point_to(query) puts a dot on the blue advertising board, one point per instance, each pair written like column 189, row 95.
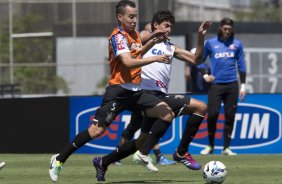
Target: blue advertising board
column 257, row 127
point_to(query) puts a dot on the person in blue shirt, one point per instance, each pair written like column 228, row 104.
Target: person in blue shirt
column 226, row 57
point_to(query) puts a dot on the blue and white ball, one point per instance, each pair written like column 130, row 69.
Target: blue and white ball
column 214, row 172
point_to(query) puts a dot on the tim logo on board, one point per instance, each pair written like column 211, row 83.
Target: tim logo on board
column 255, row 126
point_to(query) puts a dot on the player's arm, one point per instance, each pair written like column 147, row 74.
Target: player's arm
column 201, row 38
column 147, row 40
column 118, row 43
column 203, row 68
column 184, row 55
column 147, row 35
column 190, row 57
column 242, row 72
column 187, row 72
column 196, row 58
column 187, row 56
column 130, row 62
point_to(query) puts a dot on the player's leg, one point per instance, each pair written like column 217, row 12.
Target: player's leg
column 103, row 118
column 143, row 137
column 214, row 103
column 80, row 139
column 158, row 109
column 94, row 131
column 134, row 125
column 126, row 136
column 165, row 116
column 230, row 101
column 129, row 131
column 122, row 151
column 129, row 147
column 140, row 101
column 196, row 110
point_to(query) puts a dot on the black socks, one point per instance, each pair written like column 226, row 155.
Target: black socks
column 119, row 153
column 79, row 140
column 157, row 131
column 192, row 127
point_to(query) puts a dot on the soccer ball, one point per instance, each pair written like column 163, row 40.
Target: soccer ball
column 214, row 172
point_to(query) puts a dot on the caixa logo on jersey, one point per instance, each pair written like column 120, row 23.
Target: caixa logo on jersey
column 110, row 139
column 254, row 126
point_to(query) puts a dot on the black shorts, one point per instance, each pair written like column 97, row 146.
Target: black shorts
column 176, row 102
column 118, row 99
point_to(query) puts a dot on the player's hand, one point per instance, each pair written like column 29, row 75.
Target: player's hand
column 159, row 32
column 163, row 58
column 161, row 35
column 208, row 78
column 203, row 27
column 242, row 92
column 161, row 38
column 242, row 95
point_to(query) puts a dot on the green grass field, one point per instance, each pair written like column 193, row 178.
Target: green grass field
column 242, row 169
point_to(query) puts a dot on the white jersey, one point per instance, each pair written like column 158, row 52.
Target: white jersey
column 156, row 76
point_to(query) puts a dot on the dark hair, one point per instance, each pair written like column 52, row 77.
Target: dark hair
column 226, row 21
column 162, row 16
column 122, row 4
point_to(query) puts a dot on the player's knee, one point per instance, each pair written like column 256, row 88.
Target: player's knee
column 96, row 131
column 169, row 116
column 167, row 113
column 197, row 106
column 203, row 108
column 103, row 117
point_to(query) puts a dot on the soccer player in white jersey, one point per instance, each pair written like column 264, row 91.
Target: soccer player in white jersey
column 155, row 80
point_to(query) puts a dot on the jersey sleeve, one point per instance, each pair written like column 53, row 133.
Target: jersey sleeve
column 241, row 59
column 119, row 44
column 202, row 66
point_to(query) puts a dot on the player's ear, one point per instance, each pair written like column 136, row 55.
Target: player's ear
column 119, row 17
column 155, row 25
